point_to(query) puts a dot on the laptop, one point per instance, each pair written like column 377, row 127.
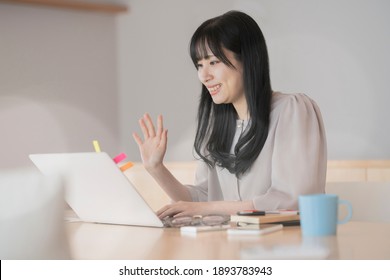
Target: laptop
column 97, row 190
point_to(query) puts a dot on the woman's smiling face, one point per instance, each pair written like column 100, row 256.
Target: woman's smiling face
column 224, row 83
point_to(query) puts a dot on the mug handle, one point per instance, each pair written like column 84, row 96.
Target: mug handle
column 349, row 208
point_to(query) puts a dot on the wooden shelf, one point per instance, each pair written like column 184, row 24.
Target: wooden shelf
column 74, row 5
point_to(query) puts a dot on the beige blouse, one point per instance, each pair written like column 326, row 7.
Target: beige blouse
column 292, row 162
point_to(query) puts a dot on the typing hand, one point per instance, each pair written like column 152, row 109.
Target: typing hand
column 154, row 144
column 185, row 208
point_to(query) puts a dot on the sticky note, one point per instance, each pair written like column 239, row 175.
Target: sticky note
column 96, row 146
column 119, row 158
column 126, row 166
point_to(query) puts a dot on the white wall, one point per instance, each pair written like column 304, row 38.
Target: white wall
column 68, row 77
column 337, row 52
column 58, row 82
column 334, row 51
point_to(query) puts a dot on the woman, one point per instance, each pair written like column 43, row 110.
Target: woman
column 258, row 149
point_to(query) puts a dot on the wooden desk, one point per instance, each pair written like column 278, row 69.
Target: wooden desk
column 354, row 240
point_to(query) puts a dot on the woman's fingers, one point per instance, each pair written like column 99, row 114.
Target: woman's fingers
column 149, row 124
column 148, row 128
column 179, row 209
column 137, row 139
column 164, row 212
column 160, row 126
column 164, row 139
column 144, row 129
column 169, row 210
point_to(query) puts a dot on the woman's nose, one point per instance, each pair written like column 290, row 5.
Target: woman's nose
column 204, row 75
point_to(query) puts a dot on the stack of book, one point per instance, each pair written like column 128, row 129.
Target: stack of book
column 255, row 218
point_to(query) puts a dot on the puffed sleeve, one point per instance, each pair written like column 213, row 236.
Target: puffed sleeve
column 299, row 156
column 199, row 191
column 206, row 185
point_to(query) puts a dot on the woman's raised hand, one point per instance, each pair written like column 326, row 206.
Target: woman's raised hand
column 154, row 144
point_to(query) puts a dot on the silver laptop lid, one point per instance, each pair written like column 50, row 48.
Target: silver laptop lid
column 96, row 189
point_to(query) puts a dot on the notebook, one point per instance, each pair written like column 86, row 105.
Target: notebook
column 286, row 219
column 97, row 190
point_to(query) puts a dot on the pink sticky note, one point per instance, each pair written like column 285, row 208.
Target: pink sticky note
column 119, row 157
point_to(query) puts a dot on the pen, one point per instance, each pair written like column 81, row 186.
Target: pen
column 251, row 213
column 282, row 211
column 262, row 213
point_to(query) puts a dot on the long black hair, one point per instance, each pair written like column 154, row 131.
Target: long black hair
column 239, row 33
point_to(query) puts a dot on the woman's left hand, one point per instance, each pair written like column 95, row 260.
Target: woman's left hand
column 186, row 208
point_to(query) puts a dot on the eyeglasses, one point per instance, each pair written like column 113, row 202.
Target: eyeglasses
column 197, row 220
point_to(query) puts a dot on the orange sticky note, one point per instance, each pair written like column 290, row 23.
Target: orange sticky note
column 126, row 166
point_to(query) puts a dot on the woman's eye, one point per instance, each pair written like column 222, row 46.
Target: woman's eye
column 213, row 62
column 198, row 66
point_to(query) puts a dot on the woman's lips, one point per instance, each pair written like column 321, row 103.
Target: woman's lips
column 214, row 89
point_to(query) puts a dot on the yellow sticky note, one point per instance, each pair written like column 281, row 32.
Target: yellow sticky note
column 96, row 146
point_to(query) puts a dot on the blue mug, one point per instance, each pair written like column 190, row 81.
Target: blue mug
column 319, row 214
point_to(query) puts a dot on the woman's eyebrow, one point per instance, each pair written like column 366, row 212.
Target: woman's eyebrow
column 208, row 56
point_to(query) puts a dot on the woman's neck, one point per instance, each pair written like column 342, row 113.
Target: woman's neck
column 241, row 108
